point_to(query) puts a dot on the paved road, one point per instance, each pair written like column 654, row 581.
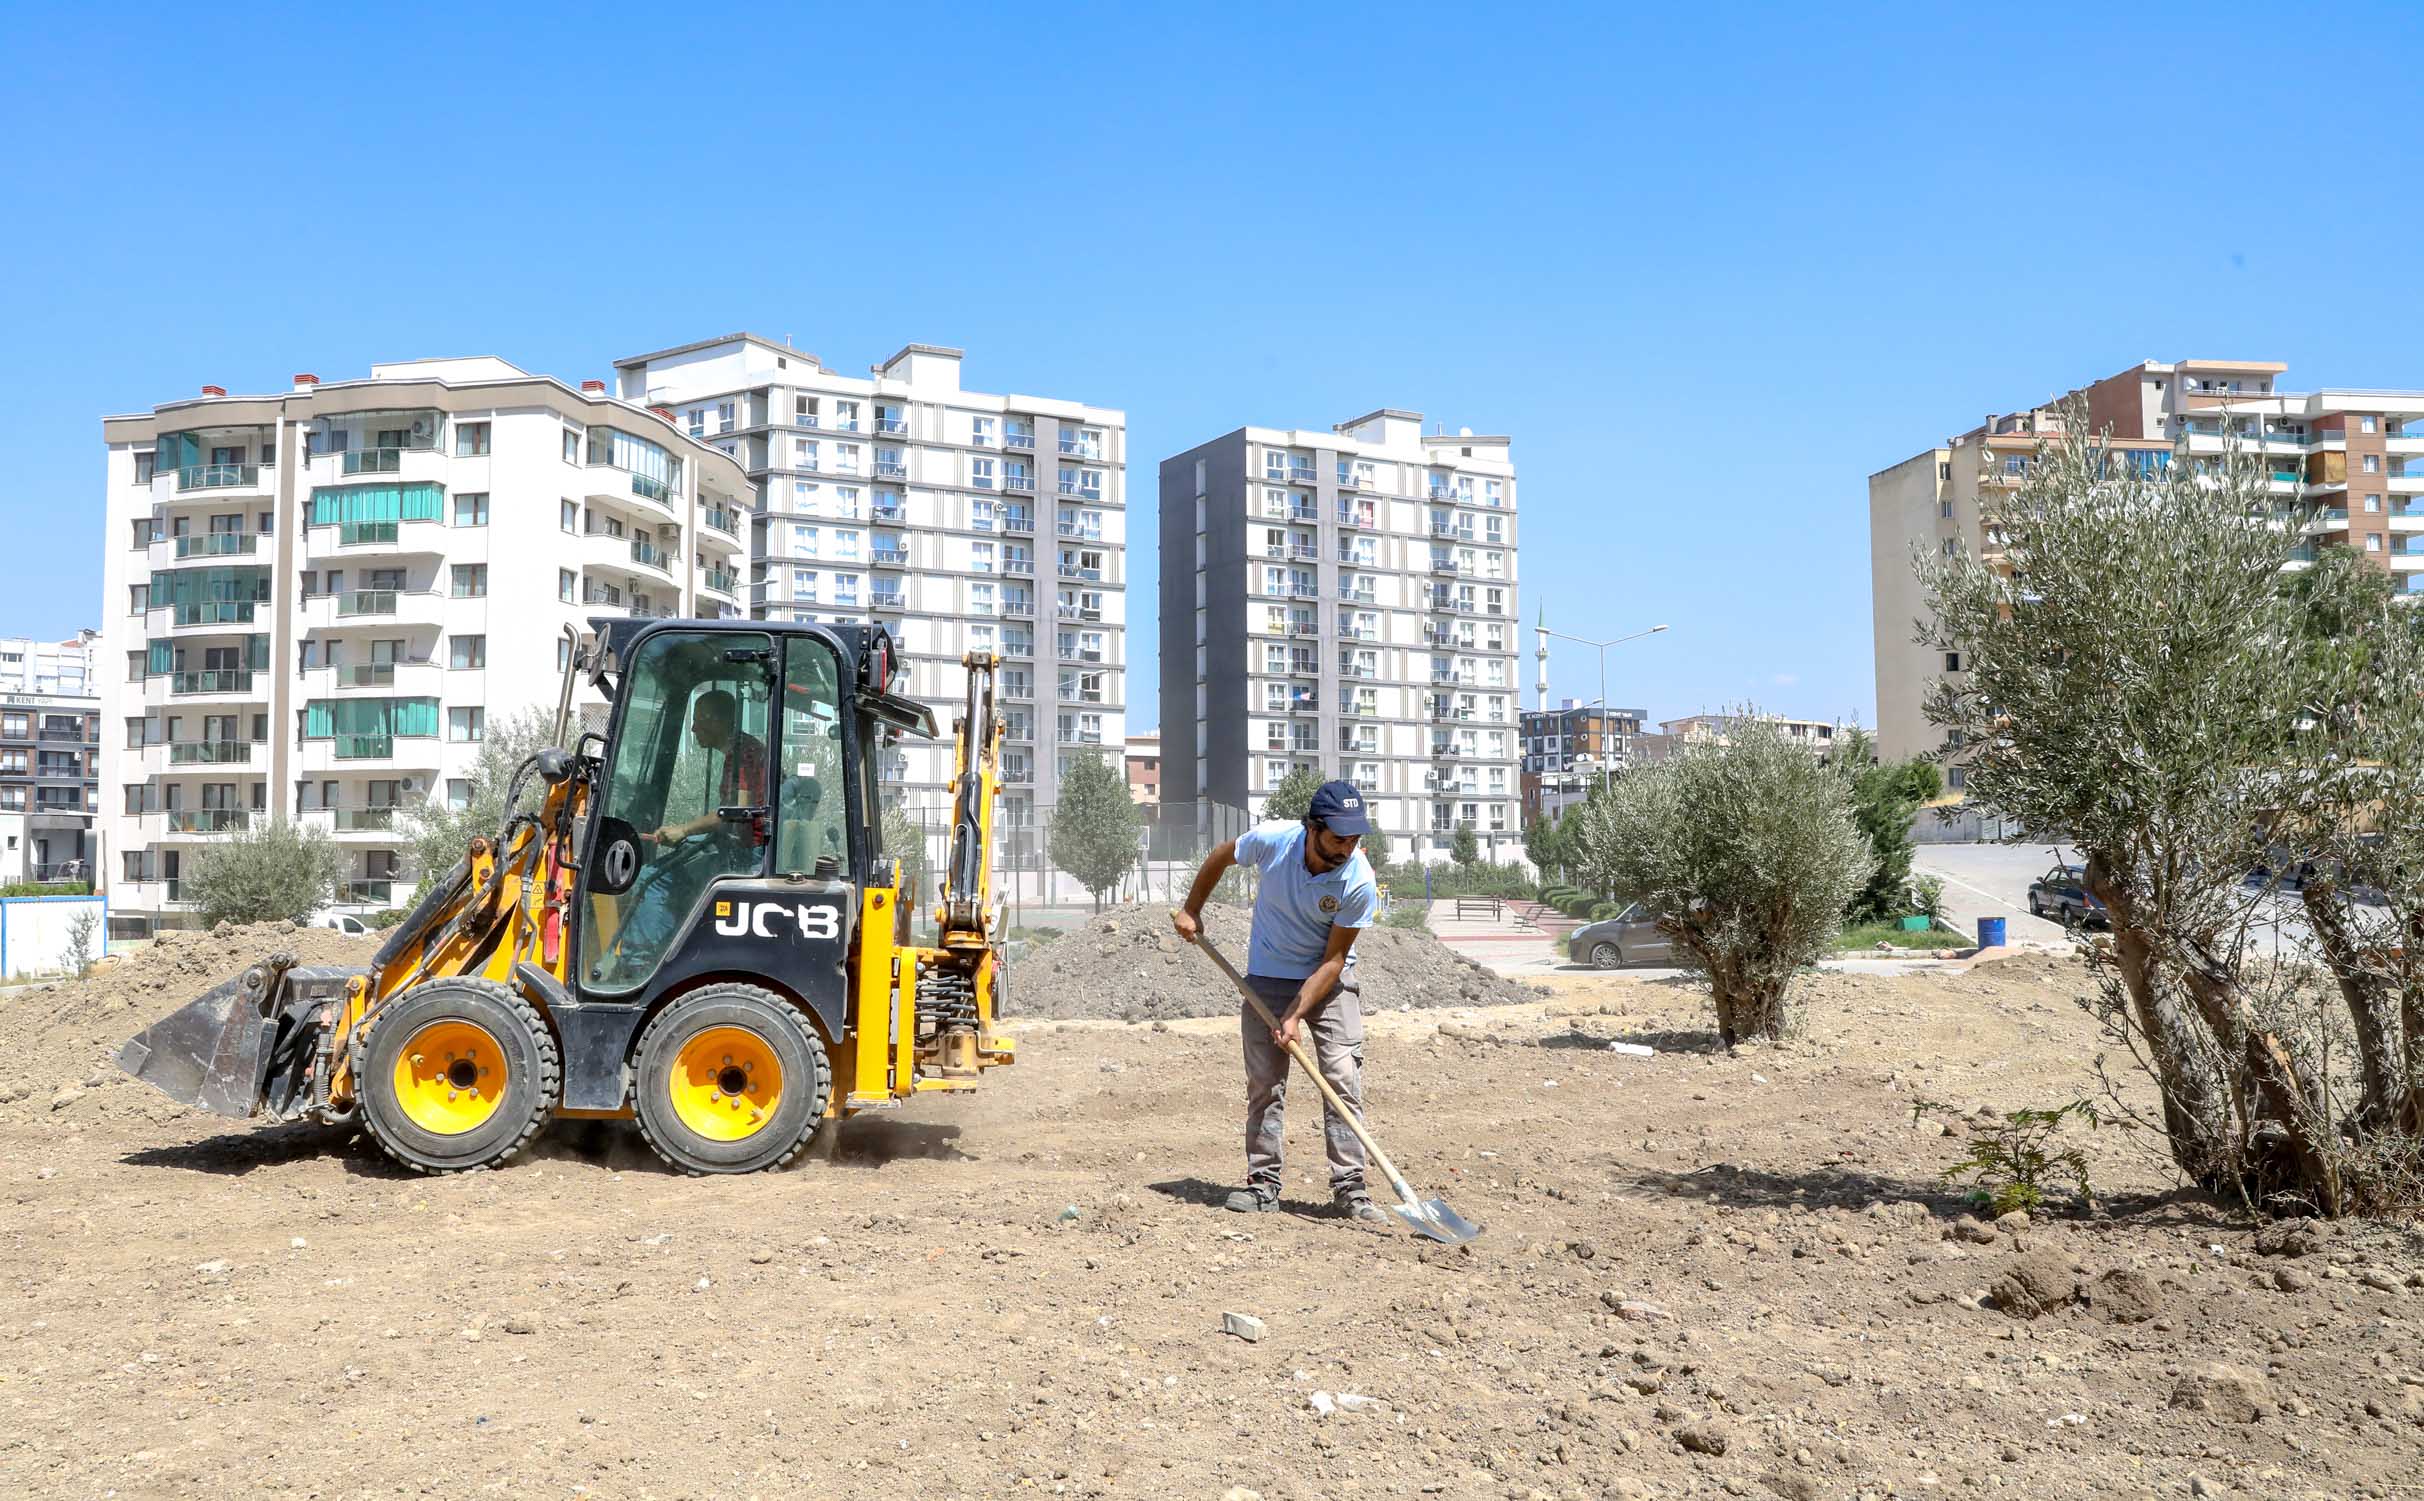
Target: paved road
column 1991, row 880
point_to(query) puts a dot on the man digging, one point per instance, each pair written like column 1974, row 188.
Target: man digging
column 1316, row 894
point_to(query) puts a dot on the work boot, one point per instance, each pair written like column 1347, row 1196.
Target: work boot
column 1251, row 1201
column 1355, row 1204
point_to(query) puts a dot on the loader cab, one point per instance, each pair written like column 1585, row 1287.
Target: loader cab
column 733, row 753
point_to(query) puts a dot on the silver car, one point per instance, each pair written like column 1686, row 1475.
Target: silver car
column 1630, row 937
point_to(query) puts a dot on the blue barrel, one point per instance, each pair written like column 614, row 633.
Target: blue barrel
column 1990, row 932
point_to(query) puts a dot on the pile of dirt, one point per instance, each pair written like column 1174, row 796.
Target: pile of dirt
column 1128, row 965
column 59, row 1042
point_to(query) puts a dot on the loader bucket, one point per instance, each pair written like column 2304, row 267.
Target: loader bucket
column 246, row 1045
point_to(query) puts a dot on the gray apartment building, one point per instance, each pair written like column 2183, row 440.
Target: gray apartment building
column 962, row 520
column 50, row 770
column 1343, row 600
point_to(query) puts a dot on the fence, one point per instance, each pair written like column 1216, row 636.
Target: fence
column 37, row 932
column 1172, row 843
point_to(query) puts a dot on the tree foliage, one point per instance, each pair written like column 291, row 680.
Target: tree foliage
column 275, row 869
column 2136, row 672
column 1465, row 848
column 439, row 834
column 1293, row 797
column 1094, row 826
column 1885, row 798
column 1749, row 853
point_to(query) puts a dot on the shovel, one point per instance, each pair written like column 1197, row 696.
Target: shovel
column 1431, row 1217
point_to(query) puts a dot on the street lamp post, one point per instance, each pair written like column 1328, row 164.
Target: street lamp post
column 1545, row 634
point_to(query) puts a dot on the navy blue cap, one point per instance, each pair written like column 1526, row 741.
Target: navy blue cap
column 1339, row 807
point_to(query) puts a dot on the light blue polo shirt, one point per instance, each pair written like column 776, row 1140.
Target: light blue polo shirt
column 1295, row 909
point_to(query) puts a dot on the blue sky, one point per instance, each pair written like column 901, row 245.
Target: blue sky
column 1710, row 266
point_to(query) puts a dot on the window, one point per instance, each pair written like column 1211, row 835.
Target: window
column 1951, row 545
column 564, row 585
column 147, row 531
column 138, row 598
column 467, row 653
column 470, row 580
column 982, row 436
column 803, row 453
column 471, row 440
column 468, row 723
column 563, row 654
column 2365, row 424
column 458, row 793
column 2373, row 503
column 1952, row 661
column 2373, row 543
column 724, row 417
column 1956, row 777
column 568, row 516
column 695, row 420
column 2373, row 463
column 1944, row 508
column 980, row 474
column 143, row 467
column 572, row 446
column 471, row 510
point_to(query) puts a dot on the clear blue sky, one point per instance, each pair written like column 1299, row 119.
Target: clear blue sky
column 1710, row 266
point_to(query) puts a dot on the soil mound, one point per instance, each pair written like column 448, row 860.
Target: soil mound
column 59, row 1042
column 1128, row 965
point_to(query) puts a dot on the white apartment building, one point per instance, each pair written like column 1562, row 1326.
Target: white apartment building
column 30, row 666
column 314, row 599
column 1344, row 600
column 963, row 521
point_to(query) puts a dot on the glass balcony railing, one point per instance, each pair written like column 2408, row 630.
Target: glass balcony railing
column 371, row 890
column 366, row 533
column 1019, row 484
column 881, row 600
column 364, row 820
column 216, row 545
column 724, row 519
column 898, row 557
column 207, row 820
column 652, row 489
column 723, row 582
column 218, row 476
column 213, row 612
column 213, row 680
column 364, row 747
column 1023, row 442
column 647, row 554
column 367, row 602
column 209, row 752
column 371, row 461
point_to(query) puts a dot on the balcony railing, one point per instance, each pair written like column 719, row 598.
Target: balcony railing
column 1018, row 607
column 213, row 680
column 1023, row 442
column 371, row 461
column 1019, row 484
column 892, row 427
column 1078, row 448
column 1355, row 519
column 366, row 533
column 363, row 820
column 646, row 554
column 208, row 820
column 374, row 674
column 364, row 747
column 216, row 544
column 218, row 476
column 368, row 890
column 69, row 737
column 649, row 488
column 1289, row 476
column 1022, row 566
column 724, row 519
column 209, row 752
column 1091, row 493
column 1020, row 525
column 1078, row 571
column 722, row 581
column 884, row 600
column 885, row 469
column 214, row 612
column 367, row 602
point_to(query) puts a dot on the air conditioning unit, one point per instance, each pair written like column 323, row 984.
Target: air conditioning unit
column 424, row 429
column 670, row 531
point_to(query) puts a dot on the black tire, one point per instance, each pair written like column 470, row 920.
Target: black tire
column 533, row 1075
column 797, row 1109
column 2035, row 908
column 1606, row 956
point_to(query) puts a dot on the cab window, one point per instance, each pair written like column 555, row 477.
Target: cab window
column 812, row 803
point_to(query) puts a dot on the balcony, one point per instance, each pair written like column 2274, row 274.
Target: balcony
column 1356, row 596
column 886, row 599
column 891, row 469
column 721, row 581
column 646, row 554
column 373, row 674
column 1020, row 442
column 1301, row 478
column 1449, row 529
column 219, row 477
column 1090, row 494
column 723, row 519
column 371, row 891
column 208, row 820
column 892, row 427
column 214, row 612
column 217, row 681
column 1080, row 737
column 378, row 820
column 1348, row 480
column 1358, row 633
column 1356, row 520
column 1019, row 484
column 366, row 602
column 1443, row 750
column 215, row 545
column 1079, row 448
column 82, row 737
column 1023, row 526
column 1024, row 567
column 1018, row 606
column 1078, row 571
column 1077, row 612
column 209, row 752
column 364, row 747
column 1303, row 628
column 648, row 488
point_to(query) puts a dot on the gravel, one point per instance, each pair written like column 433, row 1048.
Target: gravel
column 1127, row 965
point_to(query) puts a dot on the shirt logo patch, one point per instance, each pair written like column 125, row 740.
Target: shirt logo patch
column 1329, row 904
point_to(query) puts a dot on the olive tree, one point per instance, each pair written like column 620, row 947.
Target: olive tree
column 1747, row 851
column 275, row 869
column 2129, row 671
column 440, row 832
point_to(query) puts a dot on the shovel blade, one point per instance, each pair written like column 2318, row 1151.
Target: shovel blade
column 1433, row 1218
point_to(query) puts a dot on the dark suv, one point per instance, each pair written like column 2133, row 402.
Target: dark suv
column 2061, row 895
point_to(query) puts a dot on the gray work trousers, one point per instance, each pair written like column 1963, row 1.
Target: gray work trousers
column 1335, row 1035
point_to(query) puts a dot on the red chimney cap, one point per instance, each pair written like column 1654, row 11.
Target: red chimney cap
column 307, row 379
column 214, row 390
column 593, row 388
column 664, row 412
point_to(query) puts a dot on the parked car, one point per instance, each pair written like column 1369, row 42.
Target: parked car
column 1630, row 937
column 343, row 922
column 2061, row 895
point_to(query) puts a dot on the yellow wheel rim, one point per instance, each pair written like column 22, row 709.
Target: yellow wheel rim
column 726, row 1082
column 450, row 1077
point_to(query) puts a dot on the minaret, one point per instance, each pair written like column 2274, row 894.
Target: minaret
column 1540, row 623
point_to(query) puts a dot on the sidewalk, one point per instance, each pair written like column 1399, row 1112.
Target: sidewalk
column 1512, row 943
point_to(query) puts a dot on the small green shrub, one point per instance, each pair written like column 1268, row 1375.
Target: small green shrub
column 1414, row 915
column 2014, row 1161
column 1927, row 897
column 1600, row 911
column 47, row 888
column 385, row 917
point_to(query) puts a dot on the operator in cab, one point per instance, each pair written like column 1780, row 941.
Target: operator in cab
column 1316, row 894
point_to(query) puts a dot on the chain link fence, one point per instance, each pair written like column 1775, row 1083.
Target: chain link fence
column 1171, row 843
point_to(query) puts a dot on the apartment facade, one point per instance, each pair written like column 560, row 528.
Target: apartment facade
column 1817, row 736
column 31, row 666
column 962, row 520
column 1144, row 770
column 50, row 768
column 314, row 599
column 2346, row 467
column 1568, row 748
column 1346, row 601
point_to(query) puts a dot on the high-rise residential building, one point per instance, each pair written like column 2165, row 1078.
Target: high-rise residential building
column 1346, row 601
column 1570, row 747
column 50, row 765
column 961, row 520
column 313, row 600
column 31, row 666
column 2347, row 468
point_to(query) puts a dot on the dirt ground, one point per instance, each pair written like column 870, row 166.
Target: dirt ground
column 1700, row 1275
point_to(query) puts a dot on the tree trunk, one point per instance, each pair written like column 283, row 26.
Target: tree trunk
column 2371, row 999
column 2281, row 1147
column 2194, row 1118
